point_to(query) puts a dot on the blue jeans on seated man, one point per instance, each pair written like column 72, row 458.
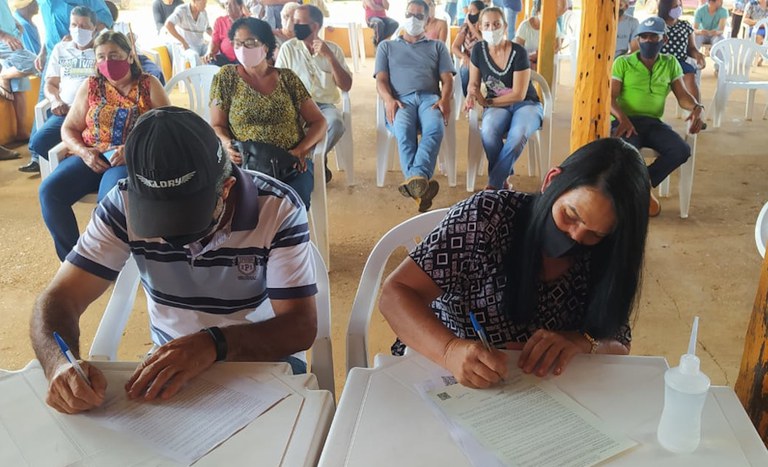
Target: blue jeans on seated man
column 418, row 158
column 657, row 135
column 516, row 123
column 335, row 121
column 72, row 180
column 46, row 137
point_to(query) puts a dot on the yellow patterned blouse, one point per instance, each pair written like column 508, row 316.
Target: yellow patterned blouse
column 267, row 118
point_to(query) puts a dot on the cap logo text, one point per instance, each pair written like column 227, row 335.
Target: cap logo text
column 172, row 183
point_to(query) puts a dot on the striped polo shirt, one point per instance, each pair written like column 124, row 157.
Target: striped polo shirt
column 262, row 253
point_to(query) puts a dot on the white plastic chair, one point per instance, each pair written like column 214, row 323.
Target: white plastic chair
column 41, row 115
column 183, row 59
column 344, row 147
column 570, row 48
column 385, row 150
column 763, row 23
column 353, row 30
column 407, row 234
column 318, row 209
column 197, row 83
column 538, row 145
column 761, row 230
column 735, row 58
column 113, row 322
column 685, row 186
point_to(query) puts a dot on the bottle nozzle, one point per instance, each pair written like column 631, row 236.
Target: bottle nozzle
column 694, row 335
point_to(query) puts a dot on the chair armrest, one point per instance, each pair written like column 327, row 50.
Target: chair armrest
column 41, row 112
column 57, row 154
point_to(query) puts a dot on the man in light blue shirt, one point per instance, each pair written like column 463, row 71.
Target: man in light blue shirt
column 414, row 78
column 16, row 64
column 25, row 11
column 709, row 23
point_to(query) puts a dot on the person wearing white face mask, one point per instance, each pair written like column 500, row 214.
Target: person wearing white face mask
column 528, row 35
column 256, row 102
column 406, row 72
column 512, row 108
column 70, row 63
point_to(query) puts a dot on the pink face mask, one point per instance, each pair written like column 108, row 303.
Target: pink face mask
column 114, row 70
column 250, row 57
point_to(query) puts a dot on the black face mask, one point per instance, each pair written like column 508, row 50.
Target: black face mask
column 556, row 243
column 621, row 13
column 649, row 50
column 302, row 31
column 473, row 18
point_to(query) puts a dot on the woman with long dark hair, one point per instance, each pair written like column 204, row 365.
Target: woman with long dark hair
column 553, row 274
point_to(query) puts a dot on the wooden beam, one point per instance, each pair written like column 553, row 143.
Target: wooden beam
column 547, row 33
column 752, row 383
column 591, row 116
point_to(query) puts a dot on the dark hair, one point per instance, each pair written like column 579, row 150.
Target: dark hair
column 314, row 13
column 493, row 9
column 84, row 12
column 120, row 40
column 618, row 171
column 420, row 3
column 112, row 10
column 664, row 6
column 261, row 29
column 479, row 4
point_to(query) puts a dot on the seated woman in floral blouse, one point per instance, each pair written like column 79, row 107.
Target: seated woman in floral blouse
column 553, row 274
column 255, row 101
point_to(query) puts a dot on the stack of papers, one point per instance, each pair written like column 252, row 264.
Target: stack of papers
column 526, row 421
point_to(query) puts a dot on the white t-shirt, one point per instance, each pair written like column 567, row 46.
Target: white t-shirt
column 192, row 31
column 314, row 71
column 72, row 66
column 531, row 36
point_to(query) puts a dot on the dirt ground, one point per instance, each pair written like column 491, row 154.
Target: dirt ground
column 706, row 265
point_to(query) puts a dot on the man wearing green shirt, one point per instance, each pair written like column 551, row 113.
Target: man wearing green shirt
column 639, row 88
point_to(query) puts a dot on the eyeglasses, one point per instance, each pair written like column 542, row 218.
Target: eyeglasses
column 248, row 43
column 419, row 16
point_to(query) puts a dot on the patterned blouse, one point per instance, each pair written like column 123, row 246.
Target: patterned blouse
column 470, row 39
column 267, row 118
column 465, row 256
column 677, row 44
column 755, row 11
column 111, row 115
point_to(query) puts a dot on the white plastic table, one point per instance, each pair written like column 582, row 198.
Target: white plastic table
column 382, row 421
column 291, row 433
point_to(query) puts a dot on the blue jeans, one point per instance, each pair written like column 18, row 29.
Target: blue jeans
column 383, row 28
column 335, row 121
column 418, row 158
column 304, row 183
column 46, row 137
column 152, row 68
column 298, row 366
column 657, row 135
column 517, row 123
column 71, row 180
column 511, row 16
column 272, row 15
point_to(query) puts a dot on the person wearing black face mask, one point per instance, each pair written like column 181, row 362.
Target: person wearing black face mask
column 639, row 88
column 552, row 274
column 469, row 34
column 321, row 67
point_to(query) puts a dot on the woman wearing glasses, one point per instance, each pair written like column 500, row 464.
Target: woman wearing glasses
column 254, row 101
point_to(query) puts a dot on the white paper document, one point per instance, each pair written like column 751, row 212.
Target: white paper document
column 529, row 422
column 205, row 413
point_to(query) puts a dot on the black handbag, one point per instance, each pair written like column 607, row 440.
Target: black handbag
column 268, row 159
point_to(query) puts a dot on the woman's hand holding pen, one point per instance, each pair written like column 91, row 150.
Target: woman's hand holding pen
column 549, row 349
column 473, row 365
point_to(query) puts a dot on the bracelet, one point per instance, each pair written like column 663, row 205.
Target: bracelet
column 698, row 106
column 219, row 341
column 592, row 341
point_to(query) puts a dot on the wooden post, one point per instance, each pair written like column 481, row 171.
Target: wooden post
column 547, row 32
column 590, row 119
column 752, row 384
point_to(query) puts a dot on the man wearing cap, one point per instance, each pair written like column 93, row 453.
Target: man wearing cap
column 639, row 88
column 223, row 254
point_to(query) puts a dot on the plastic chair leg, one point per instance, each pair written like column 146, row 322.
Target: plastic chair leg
column 686, row 178
column 664, row 188
column 474, row 151
column 318, row 210
column 750, row 104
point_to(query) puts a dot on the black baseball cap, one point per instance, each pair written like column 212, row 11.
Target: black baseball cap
column 174, row 161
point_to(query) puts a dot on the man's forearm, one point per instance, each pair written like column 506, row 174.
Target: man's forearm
column 340, row 75
column 42, row 325
column 270, row 340
column 384, row 90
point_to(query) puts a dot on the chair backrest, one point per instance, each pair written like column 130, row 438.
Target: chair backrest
column 197, row 83
column 407, row 234
column 545, row 95
column 763, row 23
column 761, row 230
column 735, row 57
column 113, row 322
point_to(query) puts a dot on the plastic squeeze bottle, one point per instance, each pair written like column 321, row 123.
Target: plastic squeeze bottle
column 685, row 390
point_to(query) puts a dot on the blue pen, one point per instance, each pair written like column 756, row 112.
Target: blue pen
column 480, row 331
column 70, row 358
